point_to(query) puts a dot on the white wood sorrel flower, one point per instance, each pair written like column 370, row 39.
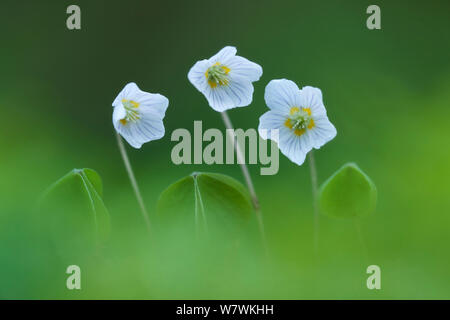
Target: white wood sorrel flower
column 138, row 115
column 299, row 116
column 225, row 79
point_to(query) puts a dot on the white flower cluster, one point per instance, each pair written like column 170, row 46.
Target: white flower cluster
column 226, row 81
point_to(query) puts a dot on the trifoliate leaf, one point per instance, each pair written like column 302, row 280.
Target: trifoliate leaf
column 205, row 202
column 74, row 209
column 348, row 193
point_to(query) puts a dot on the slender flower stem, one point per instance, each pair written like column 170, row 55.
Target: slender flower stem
column 313, row 171
column 134, row 184
column 247, row 177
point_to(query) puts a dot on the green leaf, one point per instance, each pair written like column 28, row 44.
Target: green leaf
column 348, row 193
column 74, row 211
column 95, row 180
column 205, row 202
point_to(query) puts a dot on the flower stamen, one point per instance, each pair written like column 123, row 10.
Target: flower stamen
column 132, row 114
column 217, row 74
column 299, row 120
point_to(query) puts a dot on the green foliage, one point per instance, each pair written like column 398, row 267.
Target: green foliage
column 74, row 210
column 205, row 202
column 348, row 193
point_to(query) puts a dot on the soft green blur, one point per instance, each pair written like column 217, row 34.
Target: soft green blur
column 387, row 92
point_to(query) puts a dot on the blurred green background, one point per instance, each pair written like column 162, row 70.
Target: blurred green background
column 386, row 91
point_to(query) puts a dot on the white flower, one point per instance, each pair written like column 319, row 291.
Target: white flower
column 299, row 116
column 225, row 79
column 138, row 115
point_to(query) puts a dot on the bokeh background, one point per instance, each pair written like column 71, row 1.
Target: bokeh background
column 386, row 91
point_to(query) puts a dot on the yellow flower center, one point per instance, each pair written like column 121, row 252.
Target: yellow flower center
column 131, row 112
column 299, row 120
column 217, row 75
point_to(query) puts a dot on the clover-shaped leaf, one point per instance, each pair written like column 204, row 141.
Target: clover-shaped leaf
column 75, row 213
column 348, row 193
column 209, row 202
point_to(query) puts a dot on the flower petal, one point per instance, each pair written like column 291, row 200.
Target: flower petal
column 145, row 124
column 196, row 75
column 119, row 113
column 236, row 89
column 244, row 68
column 154, row 103
column 143, row 130
column 240, row 91
column 130, row 90
column 294, row 147
column 237, row 93
column 269, row 121
column 127, row 132
column 224, row 55
column 281, row 95
column 218, row 99
column 322, row 132
column 312, row 98
column 151, row 128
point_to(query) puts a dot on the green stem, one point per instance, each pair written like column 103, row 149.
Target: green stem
column 247, row 177
column 134, row 184
column 313, row 171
